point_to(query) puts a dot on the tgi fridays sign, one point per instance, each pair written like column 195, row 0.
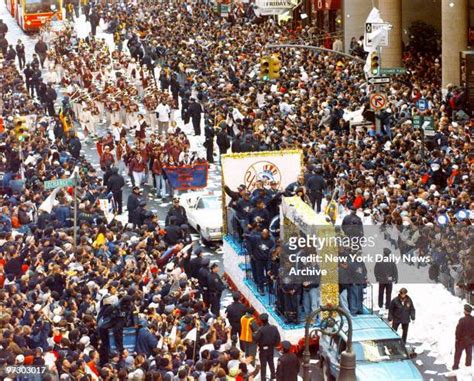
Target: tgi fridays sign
column 273, row 7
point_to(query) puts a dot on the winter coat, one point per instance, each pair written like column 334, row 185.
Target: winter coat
column 401, row 311
column 146, row 342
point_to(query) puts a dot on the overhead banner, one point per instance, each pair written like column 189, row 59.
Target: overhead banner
column 247, row 168
column 188, row 177
column 273, row 7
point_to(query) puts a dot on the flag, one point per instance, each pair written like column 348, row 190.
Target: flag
column 188, row 176
column 191, row 335
column 106, row 206
column 48, row 204
column 172, row 336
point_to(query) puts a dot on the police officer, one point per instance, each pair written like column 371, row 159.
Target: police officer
column 316, row 187
column 386, row 274
column 290, row 190
column 234, row 312
column 288, row 364
column 352, row 224
column 203, row 276
column 464, row 337
column 267, row 338
column 216, row 286
column 132, row 203
column 195, row 263
column 401, row 311
column 178, row 212
column 115, row 184
column 20, row 53
column 209, row 134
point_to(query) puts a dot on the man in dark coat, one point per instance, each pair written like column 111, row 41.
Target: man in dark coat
column 195, row 263
column 464, row 337
column 11, row 54
column 3, row 27
column 288, row 364
column 401, row 311
column 115, row 184
column 209, row 142
column 316, row 187
column 178, row 212
column 195, row 111
column 132, row 203
column 3, row 44
column 203, row 276
column 386, row 274
column 20, row 53
column 94, row 19
column 146, row 340
column 36, row 80
column 352, row 224
column 267, row 338
column 28, row 72
column 234, row 312
column 50, row 97
column 75, row 146
column 216, row 287
column 222, row 139
column 41, row 49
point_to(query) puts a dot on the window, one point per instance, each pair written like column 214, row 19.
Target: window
column 380, row 350
column 39, row 6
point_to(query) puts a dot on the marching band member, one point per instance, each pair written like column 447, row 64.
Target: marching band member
column 122, row 153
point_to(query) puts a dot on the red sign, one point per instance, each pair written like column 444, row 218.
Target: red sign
column 324, row 5
column 378, row 101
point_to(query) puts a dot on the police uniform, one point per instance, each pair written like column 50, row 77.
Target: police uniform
column 464, row 337
column 234, row 312
column 203, row 274
column 216, row 286
column 267, row 338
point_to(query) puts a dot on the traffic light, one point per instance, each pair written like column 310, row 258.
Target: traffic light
column 275, row 67
column 374, row 63
column 265, row 68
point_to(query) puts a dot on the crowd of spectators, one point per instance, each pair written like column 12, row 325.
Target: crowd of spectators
column 61, row 299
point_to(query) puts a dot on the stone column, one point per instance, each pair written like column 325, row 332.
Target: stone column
column 354, row 13
column 391, row 12
column 454, row 17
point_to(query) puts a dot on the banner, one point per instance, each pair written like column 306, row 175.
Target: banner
column 107, row 207
column 187, row 177
column 273, row 7
column 246, row 168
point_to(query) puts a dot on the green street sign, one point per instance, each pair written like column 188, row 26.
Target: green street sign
column 425, row 122
column 392, row 70
column 52, row 184
column 225, row 9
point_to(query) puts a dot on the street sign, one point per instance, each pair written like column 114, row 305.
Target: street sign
column 379, row 80
column 426, row 123
column 392, row 70
column 52, row 184
column 378, row 101
column 371, row 29
column 422, row 104
column 225, row 9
